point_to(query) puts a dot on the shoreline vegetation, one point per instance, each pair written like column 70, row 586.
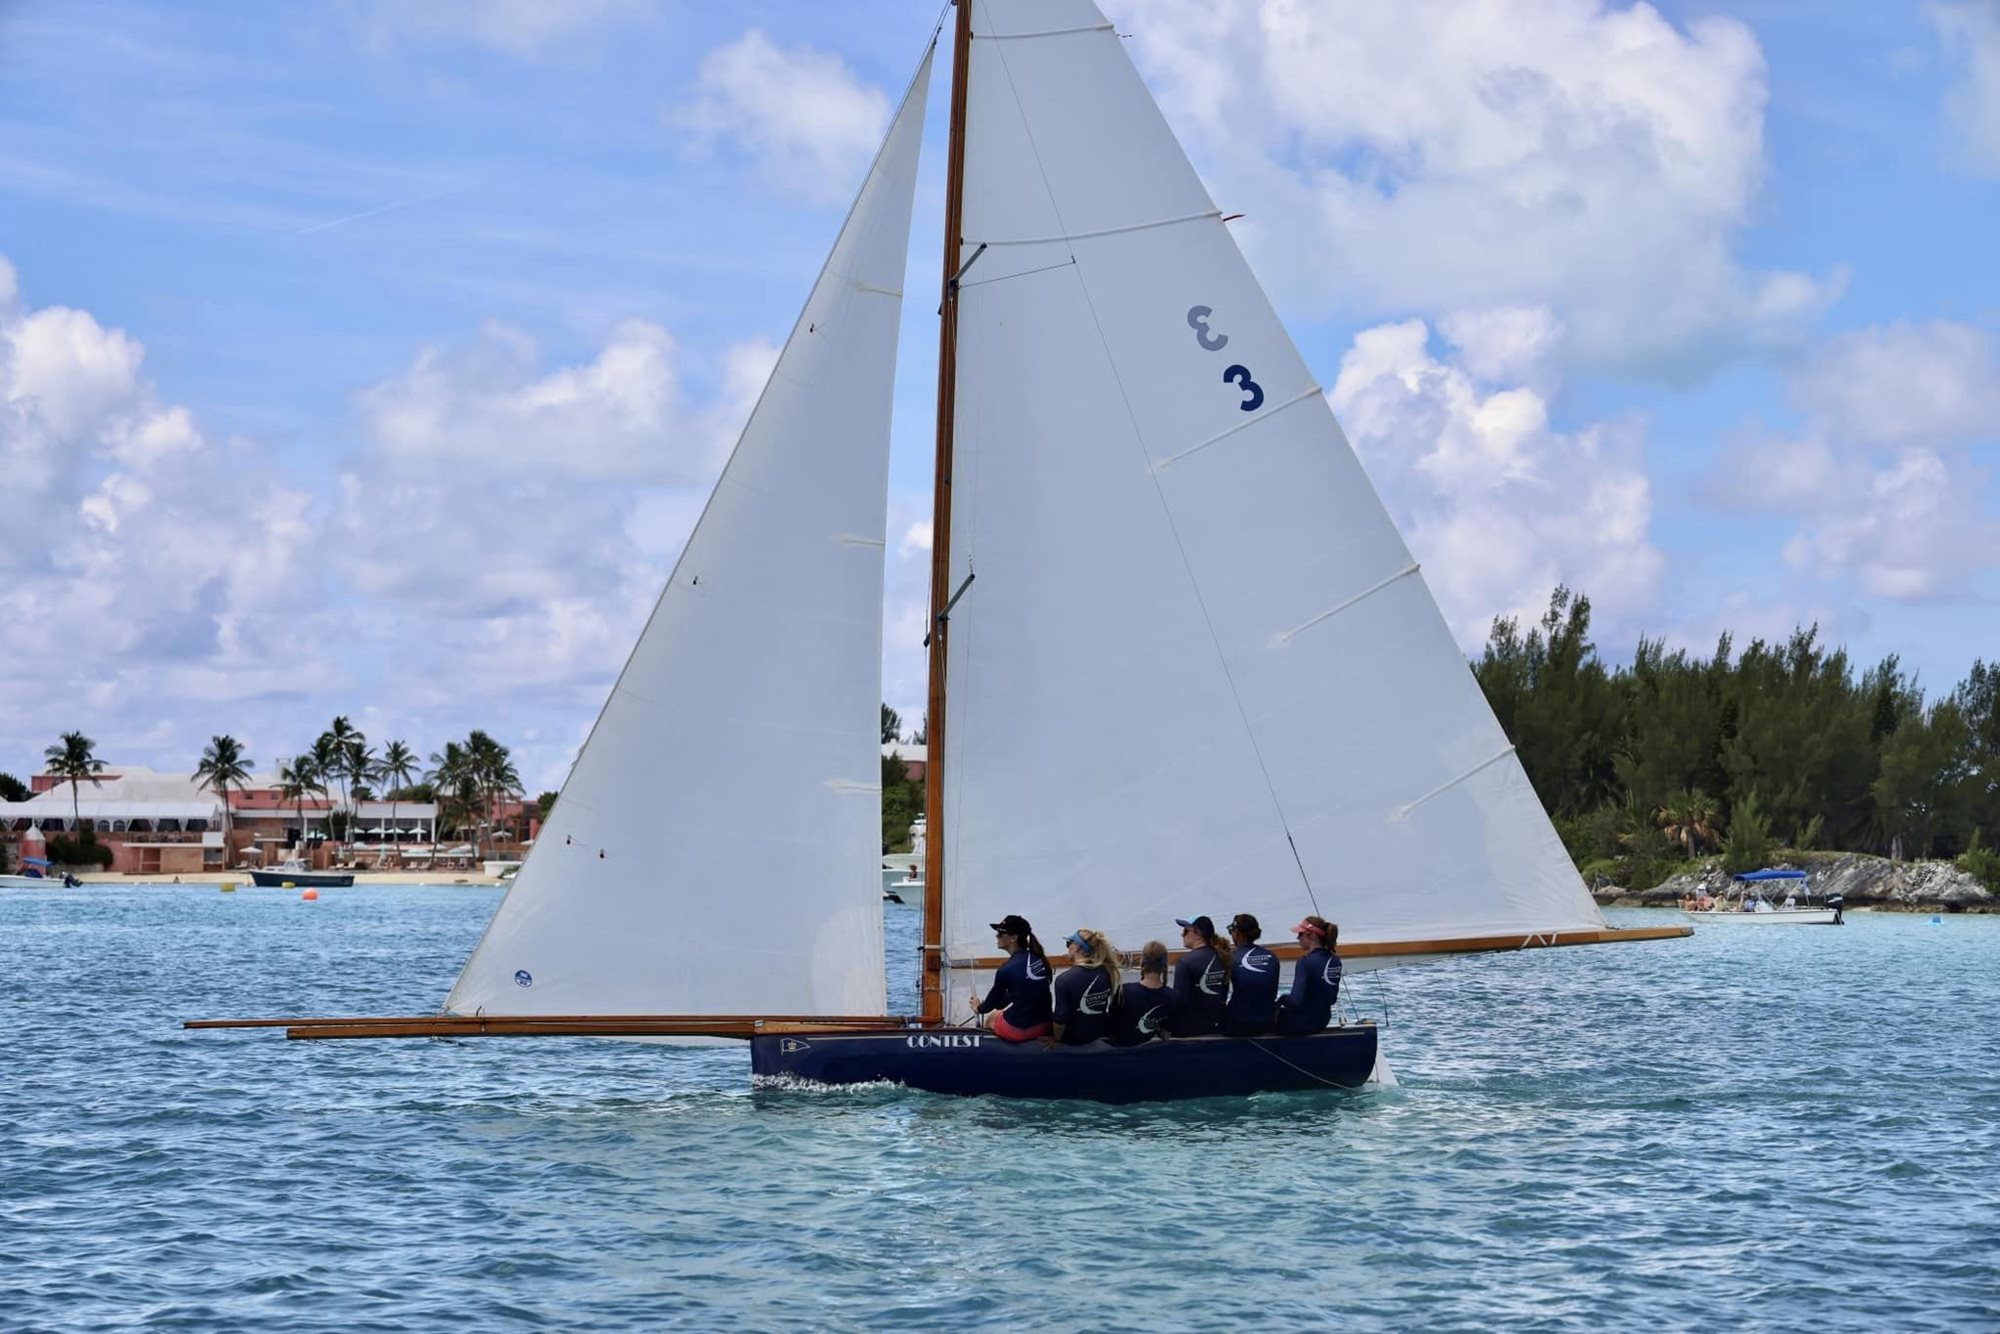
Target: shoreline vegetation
column 1677, row 769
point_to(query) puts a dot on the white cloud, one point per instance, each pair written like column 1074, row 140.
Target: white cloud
column 1904, row 384
column 526, row 29
column 799, row 116
column 1593, row 159
column 1880, row 478
column 152, row 564
column 1498, row 506
column 1970, row 30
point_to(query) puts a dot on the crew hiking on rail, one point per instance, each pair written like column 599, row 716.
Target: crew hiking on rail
column 1226, row 986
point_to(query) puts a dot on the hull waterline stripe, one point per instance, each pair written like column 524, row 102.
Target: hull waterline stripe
column 1279, row 641
column 1103, row 231
column 1403, row 812
column 1310, row 391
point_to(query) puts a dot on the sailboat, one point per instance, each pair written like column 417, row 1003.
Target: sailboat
column 1148, row 532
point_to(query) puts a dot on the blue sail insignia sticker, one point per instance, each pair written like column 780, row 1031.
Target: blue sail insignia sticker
column 523, row 978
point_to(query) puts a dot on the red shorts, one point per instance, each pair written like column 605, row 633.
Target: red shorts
column 1003, row 1029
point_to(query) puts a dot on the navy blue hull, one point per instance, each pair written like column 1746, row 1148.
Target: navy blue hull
column 961, row 1062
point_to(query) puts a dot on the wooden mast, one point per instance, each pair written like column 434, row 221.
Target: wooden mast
column 931, row 979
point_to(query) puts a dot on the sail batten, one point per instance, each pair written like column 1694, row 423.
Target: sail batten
column 713, row 850
column 1198, row 677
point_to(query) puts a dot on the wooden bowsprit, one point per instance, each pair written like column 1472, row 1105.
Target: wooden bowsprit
column 567, row 1025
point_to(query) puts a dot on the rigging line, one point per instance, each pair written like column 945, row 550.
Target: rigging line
column 1066, row 236
column 1287, row 636
column 1301, row 1069
column 1024, row 273
column 1159, row 491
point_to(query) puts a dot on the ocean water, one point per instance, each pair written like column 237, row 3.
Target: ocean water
column 1752, row 1129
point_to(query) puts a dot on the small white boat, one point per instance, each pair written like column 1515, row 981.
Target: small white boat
column 1747, row 905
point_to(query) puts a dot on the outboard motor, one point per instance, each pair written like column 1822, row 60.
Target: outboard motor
column 1834, row 901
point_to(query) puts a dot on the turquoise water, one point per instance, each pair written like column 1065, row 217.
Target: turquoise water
column 1758, row 1128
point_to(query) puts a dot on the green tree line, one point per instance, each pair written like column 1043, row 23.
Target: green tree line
column 1649, row 764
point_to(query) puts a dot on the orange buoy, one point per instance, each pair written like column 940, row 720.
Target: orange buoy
column 310, row 895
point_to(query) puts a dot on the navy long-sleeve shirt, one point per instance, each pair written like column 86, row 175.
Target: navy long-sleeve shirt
column 1315, row 987
column 1201, row 989
column 1253, row 991
column 1021, row 985
column 1143, row 1013
column 1083, row 1004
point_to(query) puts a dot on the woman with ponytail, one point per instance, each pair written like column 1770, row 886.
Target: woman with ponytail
column 1201, row 979
column 1315, row 982
column 1087, row 990
column 1146, row 1007
column 1019, row 999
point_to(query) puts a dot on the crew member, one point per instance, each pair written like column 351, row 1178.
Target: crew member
column 1253, row 981
column 1019, row 1001
column 1145, row 1008
column 1087, row 989
column 1315, row 982
column 1201, row 979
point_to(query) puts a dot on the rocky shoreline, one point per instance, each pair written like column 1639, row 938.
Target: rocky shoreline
column 1863, row 881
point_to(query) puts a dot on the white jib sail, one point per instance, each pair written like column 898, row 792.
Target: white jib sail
column 714, row 849
column 1196, row 640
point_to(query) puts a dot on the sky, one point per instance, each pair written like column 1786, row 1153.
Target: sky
column 375, row 358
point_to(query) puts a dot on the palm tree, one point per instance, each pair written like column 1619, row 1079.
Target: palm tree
column 1688, row 818
column 73, row 760
column 326, row 764
column 492, row 771
column 223, row 767
column 396, row 768
column 451, row 775
column 296, row 779
column 344, row 742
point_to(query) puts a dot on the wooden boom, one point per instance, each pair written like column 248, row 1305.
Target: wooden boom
column 564, row 1025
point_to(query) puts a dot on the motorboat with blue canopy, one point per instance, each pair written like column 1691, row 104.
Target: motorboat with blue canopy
column 1752, row 899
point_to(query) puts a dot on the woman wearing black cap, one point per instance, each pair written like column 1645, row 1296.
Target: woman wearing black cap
column 1253, row 981
column 1019, row 1001
column 1201, row 979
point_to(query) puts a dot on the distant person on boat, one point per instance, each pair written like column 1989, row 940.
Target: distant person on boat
column 1019, row 1001
column 1087, row 989
column 1145, row 1009
column 1201, row 979
column 1315, row 982
column 1253, row 981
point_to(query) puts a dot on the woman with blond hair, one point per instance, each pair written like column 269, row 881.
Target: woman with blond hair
column 1145, row 1008
column 1315, row 982
column 1087, row 989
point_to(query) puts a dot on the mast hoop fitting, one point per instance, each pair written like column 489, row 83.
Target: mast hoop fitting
column 1403, row 812
column 1045, row 32
column 1064, row 237
column 1285, row 637
column 1310, row 391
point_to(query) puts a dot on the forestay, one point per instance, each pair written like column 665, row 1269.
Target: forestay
column 714, row 849
column 1195, row 640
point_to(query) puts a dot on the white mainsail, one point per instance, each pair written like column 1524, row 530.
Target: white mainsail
column 1198, row 671
column 714, row 848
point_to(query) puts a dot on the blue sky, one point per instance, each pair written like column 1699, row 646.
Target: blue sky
column 373, row 358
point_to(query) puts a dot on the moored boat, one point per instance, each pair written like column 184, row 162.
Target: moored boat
column 1747, row 904
column 300, row 876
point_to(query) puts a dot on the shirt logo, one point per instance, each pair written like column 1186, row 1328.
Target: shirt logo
column 1260, row 962
column 1150, row 1021
column 1037, row 971
column 1095, row 1000
column 1330, row 973
column 1211, row 981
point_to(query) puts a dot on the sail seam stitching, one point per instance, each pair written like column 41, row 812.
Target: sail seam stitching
column 1308, row 392
column 1103, row 231
column 1403, row 812
column 1370, row 591
column 1045, row 32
